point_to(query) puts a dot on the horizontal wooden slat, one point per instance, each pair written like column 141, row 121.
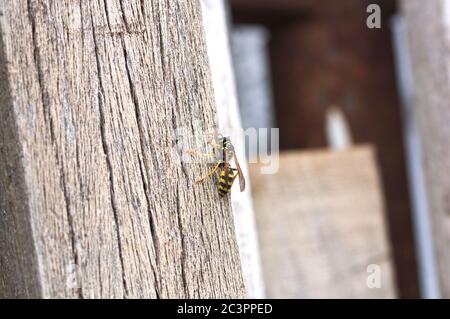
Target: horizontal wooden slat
column 321, row 224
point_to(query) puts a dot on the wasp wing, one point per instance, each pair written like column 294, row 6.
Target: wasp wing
column 240, row 174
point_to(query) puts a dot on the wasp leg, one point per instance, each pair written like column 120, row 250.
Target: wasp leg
column 215, row 145
column 193, row 152
column 201, row 179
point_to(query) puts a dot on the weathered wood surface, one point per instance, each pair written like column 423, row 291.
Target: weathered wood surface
column 429, row 287
column 321, row 224
column 94, row 199
column 229, row 122
column 429, row 40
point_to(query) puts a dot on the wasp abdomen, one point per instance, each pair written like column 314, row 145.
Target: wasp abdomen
column 225, row 182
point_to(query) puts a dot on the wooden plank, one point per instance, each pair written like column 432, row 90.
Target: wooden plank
column 429, row 33
column 217, row 39
column 97, row 202
column 321, row 224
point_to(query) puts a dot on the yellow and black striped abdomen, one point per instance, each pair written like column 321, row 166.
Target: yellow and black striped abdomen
column 225, row 182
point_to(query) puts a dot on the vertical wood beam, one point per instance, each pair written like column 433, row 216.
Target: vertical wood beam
column 428, row 26
column 95, row 201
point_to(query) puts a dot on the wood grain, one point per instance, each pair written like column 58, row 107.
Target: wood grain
column 98, row 202
column 321, row 224
column 429, row 34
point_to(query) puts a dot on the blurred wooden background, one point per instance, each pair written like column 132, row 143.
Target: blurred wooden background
column 321, row 223
column 321, row 53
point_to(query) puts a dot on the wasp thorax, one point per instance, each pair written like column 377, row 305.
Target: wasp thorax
column 223, row 151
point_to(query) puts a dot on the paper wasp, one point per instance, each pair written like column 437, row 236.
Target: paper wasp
column 223, row 153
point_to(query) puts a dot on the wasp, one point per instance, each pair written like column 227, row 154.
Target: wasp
column 223, row 153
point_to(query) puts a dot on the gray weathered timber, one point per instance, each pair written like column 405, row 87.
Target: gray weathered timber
column 429, row 34
column 94, row 199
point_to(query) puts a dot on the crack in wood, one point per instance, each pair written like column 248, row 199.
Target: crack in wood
column 152, row 226
column 108, row 159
